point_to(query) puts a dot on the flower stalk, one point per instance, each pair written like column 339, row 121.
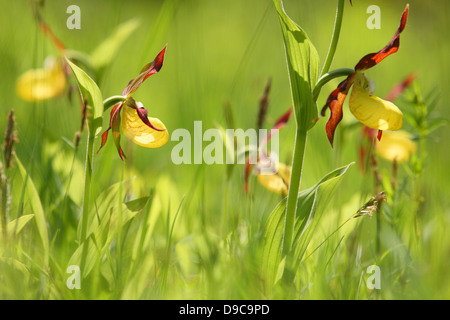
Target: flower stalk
column 301, row 135
column 294, row 186
column 334, row 38
column 327, row 77
column 89, row 165
column 111, row 101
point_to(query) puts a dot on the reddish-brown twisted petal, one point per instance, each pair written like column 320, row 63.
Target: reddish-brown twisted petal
column 115, row 126
column 335, row 102
column 263, row 105
column 45, row 28
column 279, row 124
column 398, row 89
column 373, row 59
column 151, row 68
column 115, row 112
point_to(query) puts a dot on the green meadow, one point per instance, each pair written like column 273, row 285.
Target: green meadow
column 77, row 224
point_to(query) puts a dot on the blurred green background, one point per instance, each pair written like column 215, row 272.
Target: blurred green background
column 224, row 51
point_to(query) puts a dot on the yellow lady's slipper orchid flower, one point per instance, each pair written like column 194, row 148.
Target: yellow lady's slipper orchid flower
column 279, row 181
column 50, row 81
column 370, row 133
column 136, row 124
column 42, row 84
column 396, row 146
column 367, row 108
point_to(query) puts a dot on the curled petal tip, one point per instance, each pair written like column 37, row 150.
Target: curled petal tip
column 148, row 70
column 380, row 133
column 404, row 18
column 372, row 59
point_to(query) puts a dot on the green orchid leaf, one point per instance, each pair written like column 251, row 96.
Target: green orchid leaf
column 311, row 204
column 113, row 219
column 36, row 205
column 303, row 66
column 107, row 50
column 91, row 93
column 15, row 226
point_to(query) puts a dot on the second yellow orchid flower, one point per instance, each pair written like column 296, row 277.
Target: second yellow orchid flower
column 135, row 123
column 42, row 84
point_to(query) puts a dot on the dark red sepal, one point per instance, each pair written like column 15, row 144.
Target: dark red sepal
column 398, row 89
column 279, row 124
column 114, row 112
column 114, row 124
column 335, row 102
column 373, row 59
column 116, row 134
column 151, row 68
column 142, row 113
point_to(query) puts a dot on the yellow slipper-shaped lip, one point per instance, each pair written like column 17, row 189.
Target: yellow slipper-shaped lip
column 372, row 111
column 138, row 132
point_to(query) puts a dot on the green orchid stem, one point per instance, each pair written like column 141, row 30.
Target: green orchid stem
column 297, row 165
column 87, row 193
column 87, row 183
column 335, row 37
column 327, row 77
column 294, row 186
column 301, row 135
column 111, row 101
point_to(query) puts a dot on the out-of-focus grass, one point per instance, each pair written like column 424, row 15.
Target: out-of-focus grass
column 218, row 51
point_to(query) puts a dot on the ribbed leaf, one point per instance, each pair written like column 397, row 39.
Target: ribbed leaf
column 16, row 225
column 91, row 93
column 36, row 206
column 303, row 66
column 107, row 50
column 105, row 232
column 311, row 204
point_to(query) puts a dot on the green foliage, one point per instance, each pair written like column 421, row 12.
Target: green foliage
column 155, row 230
column 303, row 65
column 104, row 54
column 91, row 94
column 311, row 204
column 35, row 202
